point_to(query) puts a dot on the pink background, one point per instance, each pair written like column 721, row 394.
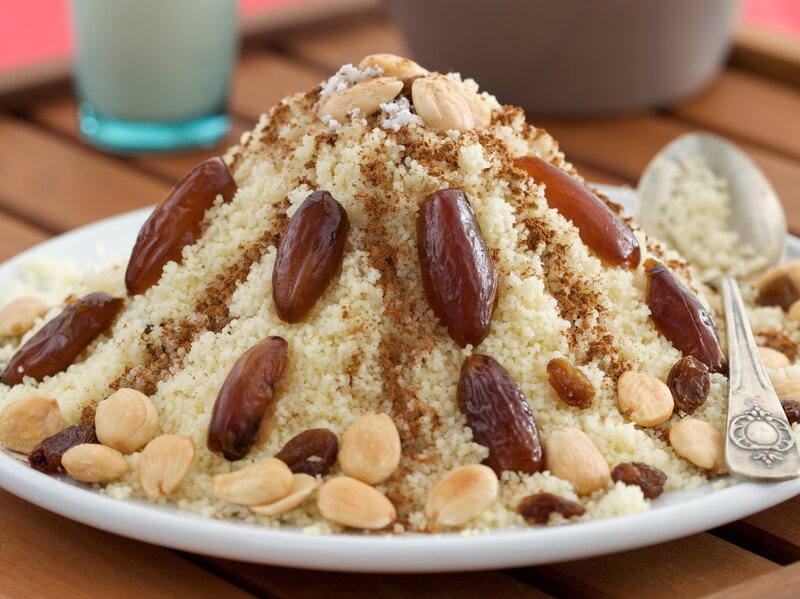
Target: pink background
column 37, row 30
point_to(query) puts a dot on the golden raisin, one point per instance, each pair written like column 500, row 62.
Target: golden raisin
column 46, row 457
column 649, row 479
column 570, row 384
column 537, row 508
column 313, row 452
column 690, row 384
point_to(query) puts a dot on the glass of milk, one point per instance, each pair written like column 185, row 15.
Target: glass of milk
column 153, row 75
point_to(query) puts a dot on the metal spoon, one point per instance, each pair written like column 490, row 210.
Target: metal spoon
column 759, row 442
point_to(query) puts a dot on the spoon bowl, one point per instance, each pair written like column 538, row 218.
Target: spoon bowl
column 757, row 214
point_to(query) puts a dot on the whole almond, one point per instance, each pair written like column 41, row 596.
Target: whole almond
column 263, row 482
column 303, row 486
column 773, row 359
column 787, row 390
column 366, row 96
column 126, row 420
column 794, row 311
column 370, row 448
column 93, row 463
column 164, row 463
column 644, row 399
column 698, row 442
column 27, row 421
column 462, row 494
column 392, row 65
column 350, row 502
column 439, row 102
column 572, row 456
column 19, row 316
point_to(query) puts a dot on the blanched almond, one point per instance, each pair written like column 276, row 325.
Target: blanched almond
column 366, row 96
column 787, row 390
column 440, row 103
column 794, row 311
column 773, row 359
column 93, row 463
column 572, row 456
column 263, row 482
column 392, row 65
column 18, row 316
column 644, row 399
column 27, row 421
column 350, row 502
column 126, row 421
column 303, row 486
column 462, row 494
column 698, row 442
column 370, row 448
column 164, row 463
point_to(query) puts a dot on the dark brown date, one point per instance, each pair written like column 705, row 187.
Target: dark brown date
column 599, row 227
column 459, row 278
column 319, row 443
column 46, row 457
column 690, row 384
column 570, row 384
column 536, row 509
column 681, row 318
column 649, row 479
column 175, row 223
column 309, row 255
column 791, row 408
column 56, row 345
column 248, row 397
column 499, row 416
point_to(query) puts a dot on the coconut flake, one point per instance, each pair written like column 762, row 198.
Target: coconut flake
column 397, row 113
column 346, row 76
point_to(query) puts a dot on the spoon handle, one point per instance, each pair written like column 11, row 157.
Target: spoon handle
column 759, row 441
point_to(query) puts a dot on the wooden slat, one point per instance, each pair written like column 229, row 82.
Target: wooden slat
column 686, row 568
column 16, row 235
column 58, row 185
column 784, row 584
column 306, row 584
column 767, row 53
column 750, row 107
column 44, row 555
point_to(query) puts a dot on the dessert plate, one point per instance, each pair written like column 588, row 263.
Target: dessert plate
column 673, row 515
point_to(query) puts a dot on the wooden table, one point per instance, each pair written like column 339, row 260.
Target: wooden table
column 50, row 182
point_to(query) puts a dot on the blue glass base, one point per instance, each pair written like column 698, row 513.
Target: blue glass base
column 126, row 137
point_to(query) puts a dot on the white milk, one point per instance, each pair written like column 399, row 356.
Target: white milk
column 154, row 60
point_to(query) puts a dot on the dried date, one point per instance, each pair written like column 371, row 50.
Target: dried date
column 458, row 275
column 690, row 384
column 499, row 416
column 681, row 318
column 46, row 457
column 792, row 410
column 247, row 399
column 599, row 227
column 318, row 443
column 56, row 345
column 649, row 479
column 176, row 222
column 536, row 509
column 309, row 255
column 570, row 384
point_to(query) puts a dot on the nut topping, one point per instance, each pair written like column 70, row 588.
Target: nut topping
column 787, row 390
column 773, row 359
column 572, row 456
column 681, row 318
column 499, row 416
column 309, row 255
column 303, row 486
column 311, row 452
column 794, row 311
column 18, row 316
column 458, row 275
column 605, row 233
column 370, row 449
column 265, row 481
column 392, row 65
column 365, row 97
column 536, row 509
column 56, row 345
column 350, row 502
column 247, row 399
column 126, row 421
column 649, row 479
column 25, row 422
column 698, row 442
column 92, row 463
column 461, row 495
column 690, row 384
column 164, row 463
column 176, row 222
column 46, row 456
column 644, row 399
column 447, row 105
column 570, row 384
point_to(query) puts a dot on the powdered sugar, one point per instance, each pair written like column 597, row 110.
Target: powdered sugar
column 345, row 77
column 397, row 113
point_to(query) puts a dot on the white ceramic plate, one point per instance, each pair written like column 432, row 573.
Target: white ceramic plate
column 673, row 515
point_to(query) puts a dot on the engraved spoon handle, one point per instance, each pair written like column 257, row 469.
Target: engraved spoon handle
column 759, row 441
